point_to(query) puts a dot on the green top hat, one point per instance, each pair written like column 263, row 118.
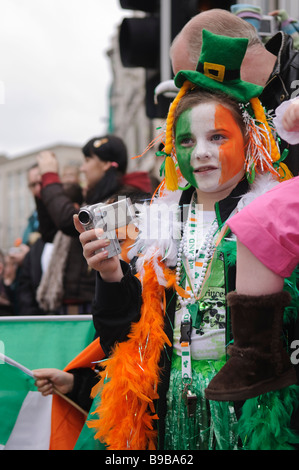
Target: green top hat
column 218, row 68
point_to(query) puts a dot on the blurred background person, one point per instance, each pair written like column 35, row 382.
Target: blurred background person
column 34, row 184
column 70, row 174
column 42, row 278
column 11, row 272
column 6, row 307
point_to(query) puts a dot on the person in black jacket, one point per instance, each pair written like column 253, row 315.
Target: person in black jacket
column 104, row 166
column 105, row 163
column 274, row 66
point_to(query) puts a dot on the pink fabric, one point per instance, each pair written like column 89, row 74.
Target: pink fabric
column 269, row 227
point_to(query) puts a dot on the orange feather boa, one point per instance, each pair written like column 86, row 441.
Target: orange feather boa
column 128, row 385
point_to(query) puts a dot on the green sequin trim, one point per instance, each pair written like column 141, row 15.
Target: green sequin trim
column 265, row 422
column 214, row 424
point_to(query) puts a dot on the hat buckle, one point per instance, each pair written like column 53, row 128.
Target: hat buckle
column 214, row 71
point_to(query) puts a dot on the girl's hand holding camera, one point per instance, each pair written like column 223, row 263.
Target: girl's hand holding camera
column 96, row 255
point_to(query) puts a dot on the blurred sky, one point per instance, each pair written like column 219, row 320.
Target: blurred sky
column 54, row 72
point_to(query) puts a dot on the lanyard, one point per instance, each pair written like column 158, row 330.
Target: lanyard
column 185, row 340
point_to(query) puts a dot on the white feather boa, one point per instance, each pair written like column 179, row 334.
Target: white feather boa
column 160, row 226
column 261, row 185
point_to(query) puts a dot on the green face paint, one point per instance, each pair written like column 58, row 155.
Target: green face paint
column 210, row 147
column 183, row 132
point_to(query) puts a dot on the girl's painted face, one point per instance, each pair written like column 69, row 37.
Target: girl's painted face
column 210, row 147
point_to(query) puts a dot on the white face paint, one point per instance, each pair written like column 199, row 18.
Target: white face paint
column 205, row 156
column 209, row 137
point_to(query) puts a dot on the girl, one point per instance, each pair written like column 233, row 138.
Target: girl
column 165, row 331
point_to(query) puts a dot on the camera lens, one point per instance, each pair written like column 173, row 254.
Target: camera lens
column 84, row 217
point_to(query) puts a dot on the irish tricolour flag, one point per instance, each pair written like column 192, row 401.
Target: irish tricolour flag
column 25, row 413
column 30, row 421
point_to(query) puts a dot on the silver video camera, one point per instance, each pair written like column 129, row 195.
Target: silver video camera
column 108, row 217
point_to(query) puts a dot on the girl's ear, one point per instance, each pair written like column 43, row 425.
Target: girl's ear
column 106, row 165
column 109, row 164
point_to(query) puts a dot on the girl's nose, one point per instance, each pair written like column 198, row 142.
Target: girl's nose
column 202, row 152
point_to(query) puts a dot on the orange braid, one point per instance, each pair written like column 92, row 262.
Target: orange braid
column 259, row 113
column 170, row 117
column 171, row 177
column 260, row 116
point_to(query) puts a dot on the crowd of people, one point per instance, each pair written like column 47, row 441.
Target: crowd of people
column 197, row 334
column 46, row 272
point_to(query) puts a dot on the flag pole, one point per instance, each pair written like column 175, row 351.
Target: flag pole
column 70, row 401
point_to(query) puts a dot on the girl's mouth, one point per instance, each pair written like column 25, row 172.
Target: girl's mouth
column 205, row 169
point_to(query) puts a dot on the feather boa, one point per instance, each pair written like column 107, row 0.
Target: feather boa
column 129, row 382
column 159, row 228
column 265, row 421
column 261, row 184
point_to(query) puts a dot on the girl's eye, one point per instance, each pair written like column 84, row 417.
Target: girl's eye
column 186, row 142
column 217, row 137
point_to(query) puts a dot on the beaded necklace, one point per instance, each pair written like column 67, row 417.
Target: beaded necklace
column 193, row 260
column 194, row 255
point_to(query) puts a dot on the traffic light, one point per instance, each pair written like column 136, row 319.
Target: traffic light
column 139, row 45
column 139, row 38
column 145, row 41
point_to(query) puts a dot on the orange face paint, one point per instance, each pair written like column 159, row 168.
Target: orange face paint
column 232, row 151
column 210, row 147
